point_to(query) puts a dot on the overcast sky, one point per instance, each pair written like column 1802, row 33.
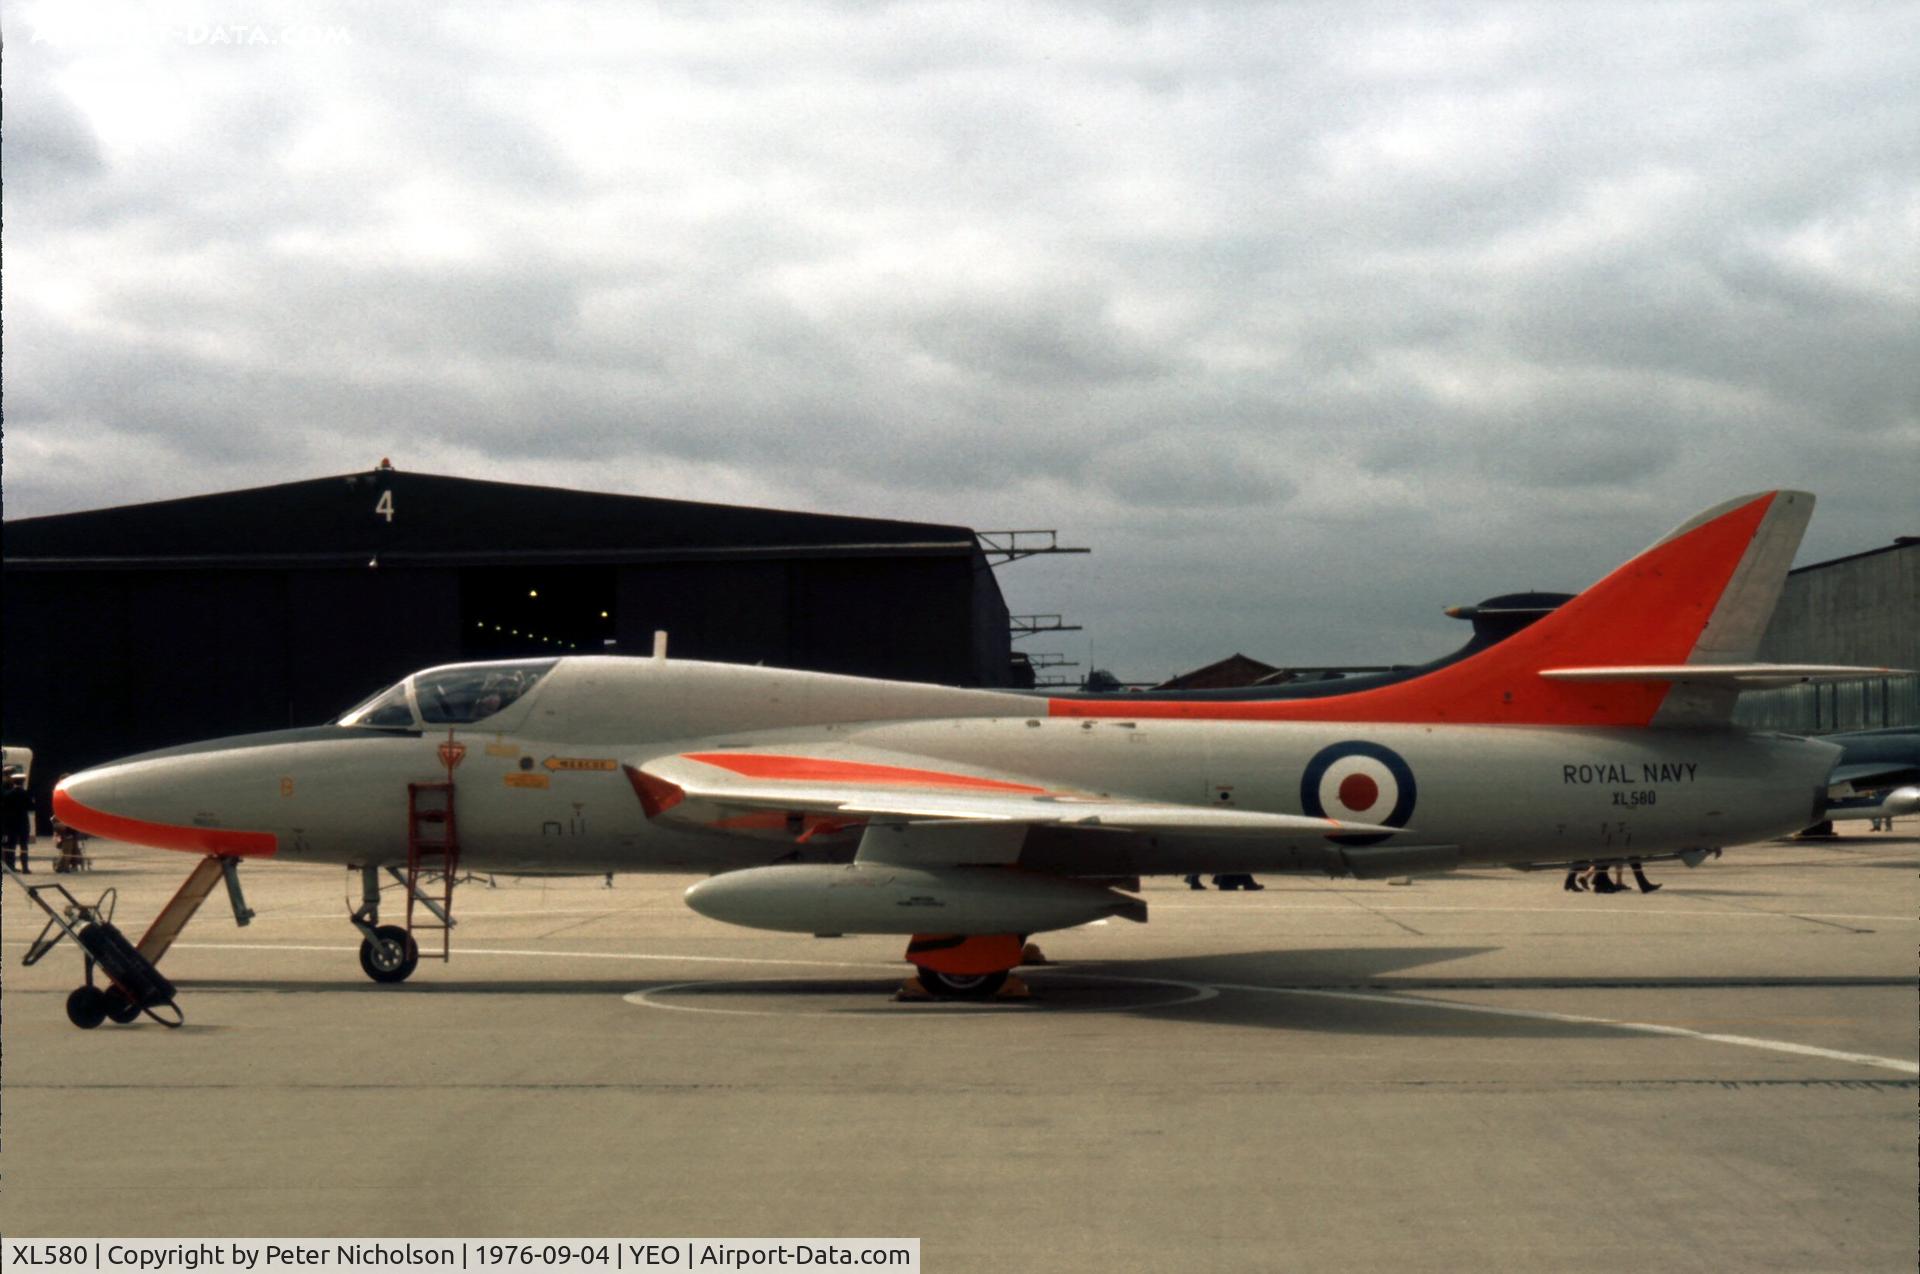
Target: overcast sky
column 1309, row 319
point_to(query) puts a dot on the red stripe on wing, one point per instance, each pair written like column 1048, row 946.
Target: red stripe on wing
column 809, row 769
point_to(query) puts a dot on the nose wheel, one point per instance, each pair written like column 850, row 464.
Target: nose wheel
column 390, row 954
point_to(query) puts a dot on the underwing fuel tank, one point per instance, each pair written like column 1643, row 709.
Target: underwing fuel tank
column 1898, row 803
column 881, row 898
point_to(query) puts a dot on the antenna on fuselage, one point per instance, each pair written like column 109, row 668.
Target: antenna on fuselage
column 660, row 645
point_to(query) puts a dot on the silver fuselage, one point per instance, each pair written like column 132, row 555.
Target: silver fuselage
column 541, row 785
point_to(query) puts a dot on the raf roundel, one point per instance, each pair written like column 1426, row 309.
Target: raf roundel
column 1359, row 782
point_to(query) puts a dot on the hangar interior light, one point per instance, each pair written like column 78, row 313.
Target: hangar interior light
column 512, row 611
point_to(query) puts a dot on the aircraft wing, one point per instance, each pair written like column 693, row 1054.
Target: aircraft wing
column 871, row 787
column 1869, row 776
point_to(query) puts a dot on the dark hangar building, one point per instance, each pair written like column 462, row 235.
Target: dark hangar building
column 146, row 625
column 1861, row 609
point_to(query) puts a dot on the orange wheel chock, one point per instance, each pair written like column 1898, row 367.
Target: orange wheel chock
column 966, row 955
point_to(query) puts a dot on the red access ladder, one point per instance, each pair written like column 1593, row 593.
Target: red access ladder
column 433, row 846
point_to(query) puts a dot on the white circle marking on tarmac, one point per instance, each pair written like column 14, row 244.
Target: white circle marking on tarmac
column 1644, row 1028
column 1206, row 991
column 1199, row 993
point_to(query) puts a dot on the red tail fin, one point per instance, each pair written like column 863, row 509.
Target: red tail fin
column 1701, row 595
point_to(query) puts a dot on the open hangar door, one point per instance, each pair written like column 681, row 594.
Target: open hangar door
column 509, row 612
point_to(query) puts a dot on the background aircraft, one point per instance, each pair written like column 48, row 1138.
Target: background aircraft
column 971, row 819
column 1877, row 774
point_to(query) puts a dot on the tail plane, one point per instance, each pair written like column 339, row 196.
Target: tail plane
column 1666, row 639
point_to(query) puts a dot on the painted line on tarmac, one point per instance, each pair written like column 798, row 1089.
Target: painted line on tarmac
column 893, row 965
column 476, row 912
column 1541, row 1015
column 1282, row 908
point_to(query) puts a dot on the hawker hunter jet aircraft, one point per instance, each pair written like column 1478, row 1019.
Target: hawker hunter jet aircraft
column 971, row 819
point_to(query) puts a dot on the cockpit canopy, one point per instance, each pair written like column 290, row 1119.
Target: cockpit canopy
column 458, row 694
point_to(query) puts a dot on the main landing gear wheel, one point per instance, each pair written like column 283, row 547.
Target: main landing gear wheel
column 391, row 955
column 963, row 986
column 119, row 1009
column 87, row 1007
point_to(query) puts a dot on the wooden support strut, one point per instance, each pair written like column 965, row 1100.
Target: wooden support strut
column 181, row 907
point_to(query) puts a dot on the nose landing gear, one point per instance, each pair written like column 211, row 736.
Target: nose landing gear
column 390, row 953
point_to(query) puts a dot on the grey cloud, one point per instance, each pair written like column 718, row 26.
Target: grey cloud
column 1180, row 468
column 48, row 143
column 1311, row 318
column 1062, row 335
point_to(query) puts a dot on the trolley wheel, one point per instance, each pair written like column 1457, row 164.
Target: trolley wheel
column 393, row 957
column 959, row 986
column 119, row 1008
column 87, row 1007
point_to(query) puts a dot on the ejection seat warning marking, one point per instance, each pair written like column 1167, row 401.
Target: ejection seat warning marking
column 580, row 763
column 540, row 781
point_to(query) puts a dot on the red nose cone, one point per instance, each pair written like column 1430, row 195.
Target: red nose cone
column 79, row 802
